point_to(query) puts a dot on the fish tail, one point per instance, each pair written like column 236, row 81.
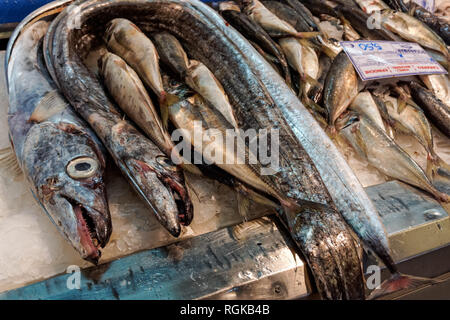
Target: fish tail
column 435, row 165
column 399, row 281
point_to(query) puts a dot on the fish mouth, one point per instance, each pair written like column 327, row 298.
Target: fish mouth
column 182, row 200
column 155, row 180
column 93, row 229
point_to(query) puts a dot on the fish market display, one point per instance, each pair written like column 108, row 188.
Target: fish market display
column 57, row 152
column 255, row 111
column 153, row 79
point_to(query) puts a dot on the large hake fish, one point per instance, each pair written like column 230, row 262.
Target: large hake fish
column 60, row 157
column 154, row 177
column 343, row 186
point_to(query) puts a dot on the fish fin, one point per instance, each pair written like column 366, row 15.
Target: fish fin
column 8, row 161
column 169, row 100
column 400, row 281
column 401, row 105
column 254, row 196
column 51, row 104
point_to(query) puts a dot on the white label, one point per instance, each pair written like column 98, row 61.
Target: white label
column 390, row 59
column 427, row 4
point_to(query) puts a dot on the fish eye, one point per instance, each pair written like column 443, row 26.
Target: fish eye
column 82, row 168
column 166, row 163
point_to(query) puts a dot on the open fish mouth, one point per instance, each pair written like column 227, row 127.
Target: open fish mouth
column 163, row 190
column 93, row 229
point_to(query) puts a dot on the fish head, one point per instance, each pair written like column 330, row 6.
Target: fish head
column 154, row 176
column 66, row 169
column 120, row 29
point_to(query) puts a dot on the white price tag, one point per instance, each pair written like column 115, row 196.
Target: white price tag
column 390, row 59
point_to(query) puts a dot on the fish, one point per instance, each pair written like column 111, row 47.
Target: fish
column 344, row 188
column 371, row 6
column 195, row 110
column 171, row 53
column 129, row 93
column 398, row 5
column 350, row 34
column 254, row 32
column 203, row 81
column 341, row 87
column 158, row 181
column 388, row 121
column 411, row 29
column 304, row 13
column 411, row 120
column 196, row 75
column 285, row 13
column 273, row 25
column 373, row 144
column 59, row 155
column 316, row 92
column 434, row 22
column 311, row 226
column 312, row 169
column 360, row 21
column 435, row 110
column 364, row 104
column 439, row 84
column 126, row 40
column 318, row 7
column 302, row 59
column 438, row 57
column 292, row 17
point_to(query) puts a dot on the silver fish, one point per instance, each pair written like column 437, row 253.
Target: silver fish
column 126, row 40
column 60, row 157
column 203, row 81
column 373, row 144
column 411, row 29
